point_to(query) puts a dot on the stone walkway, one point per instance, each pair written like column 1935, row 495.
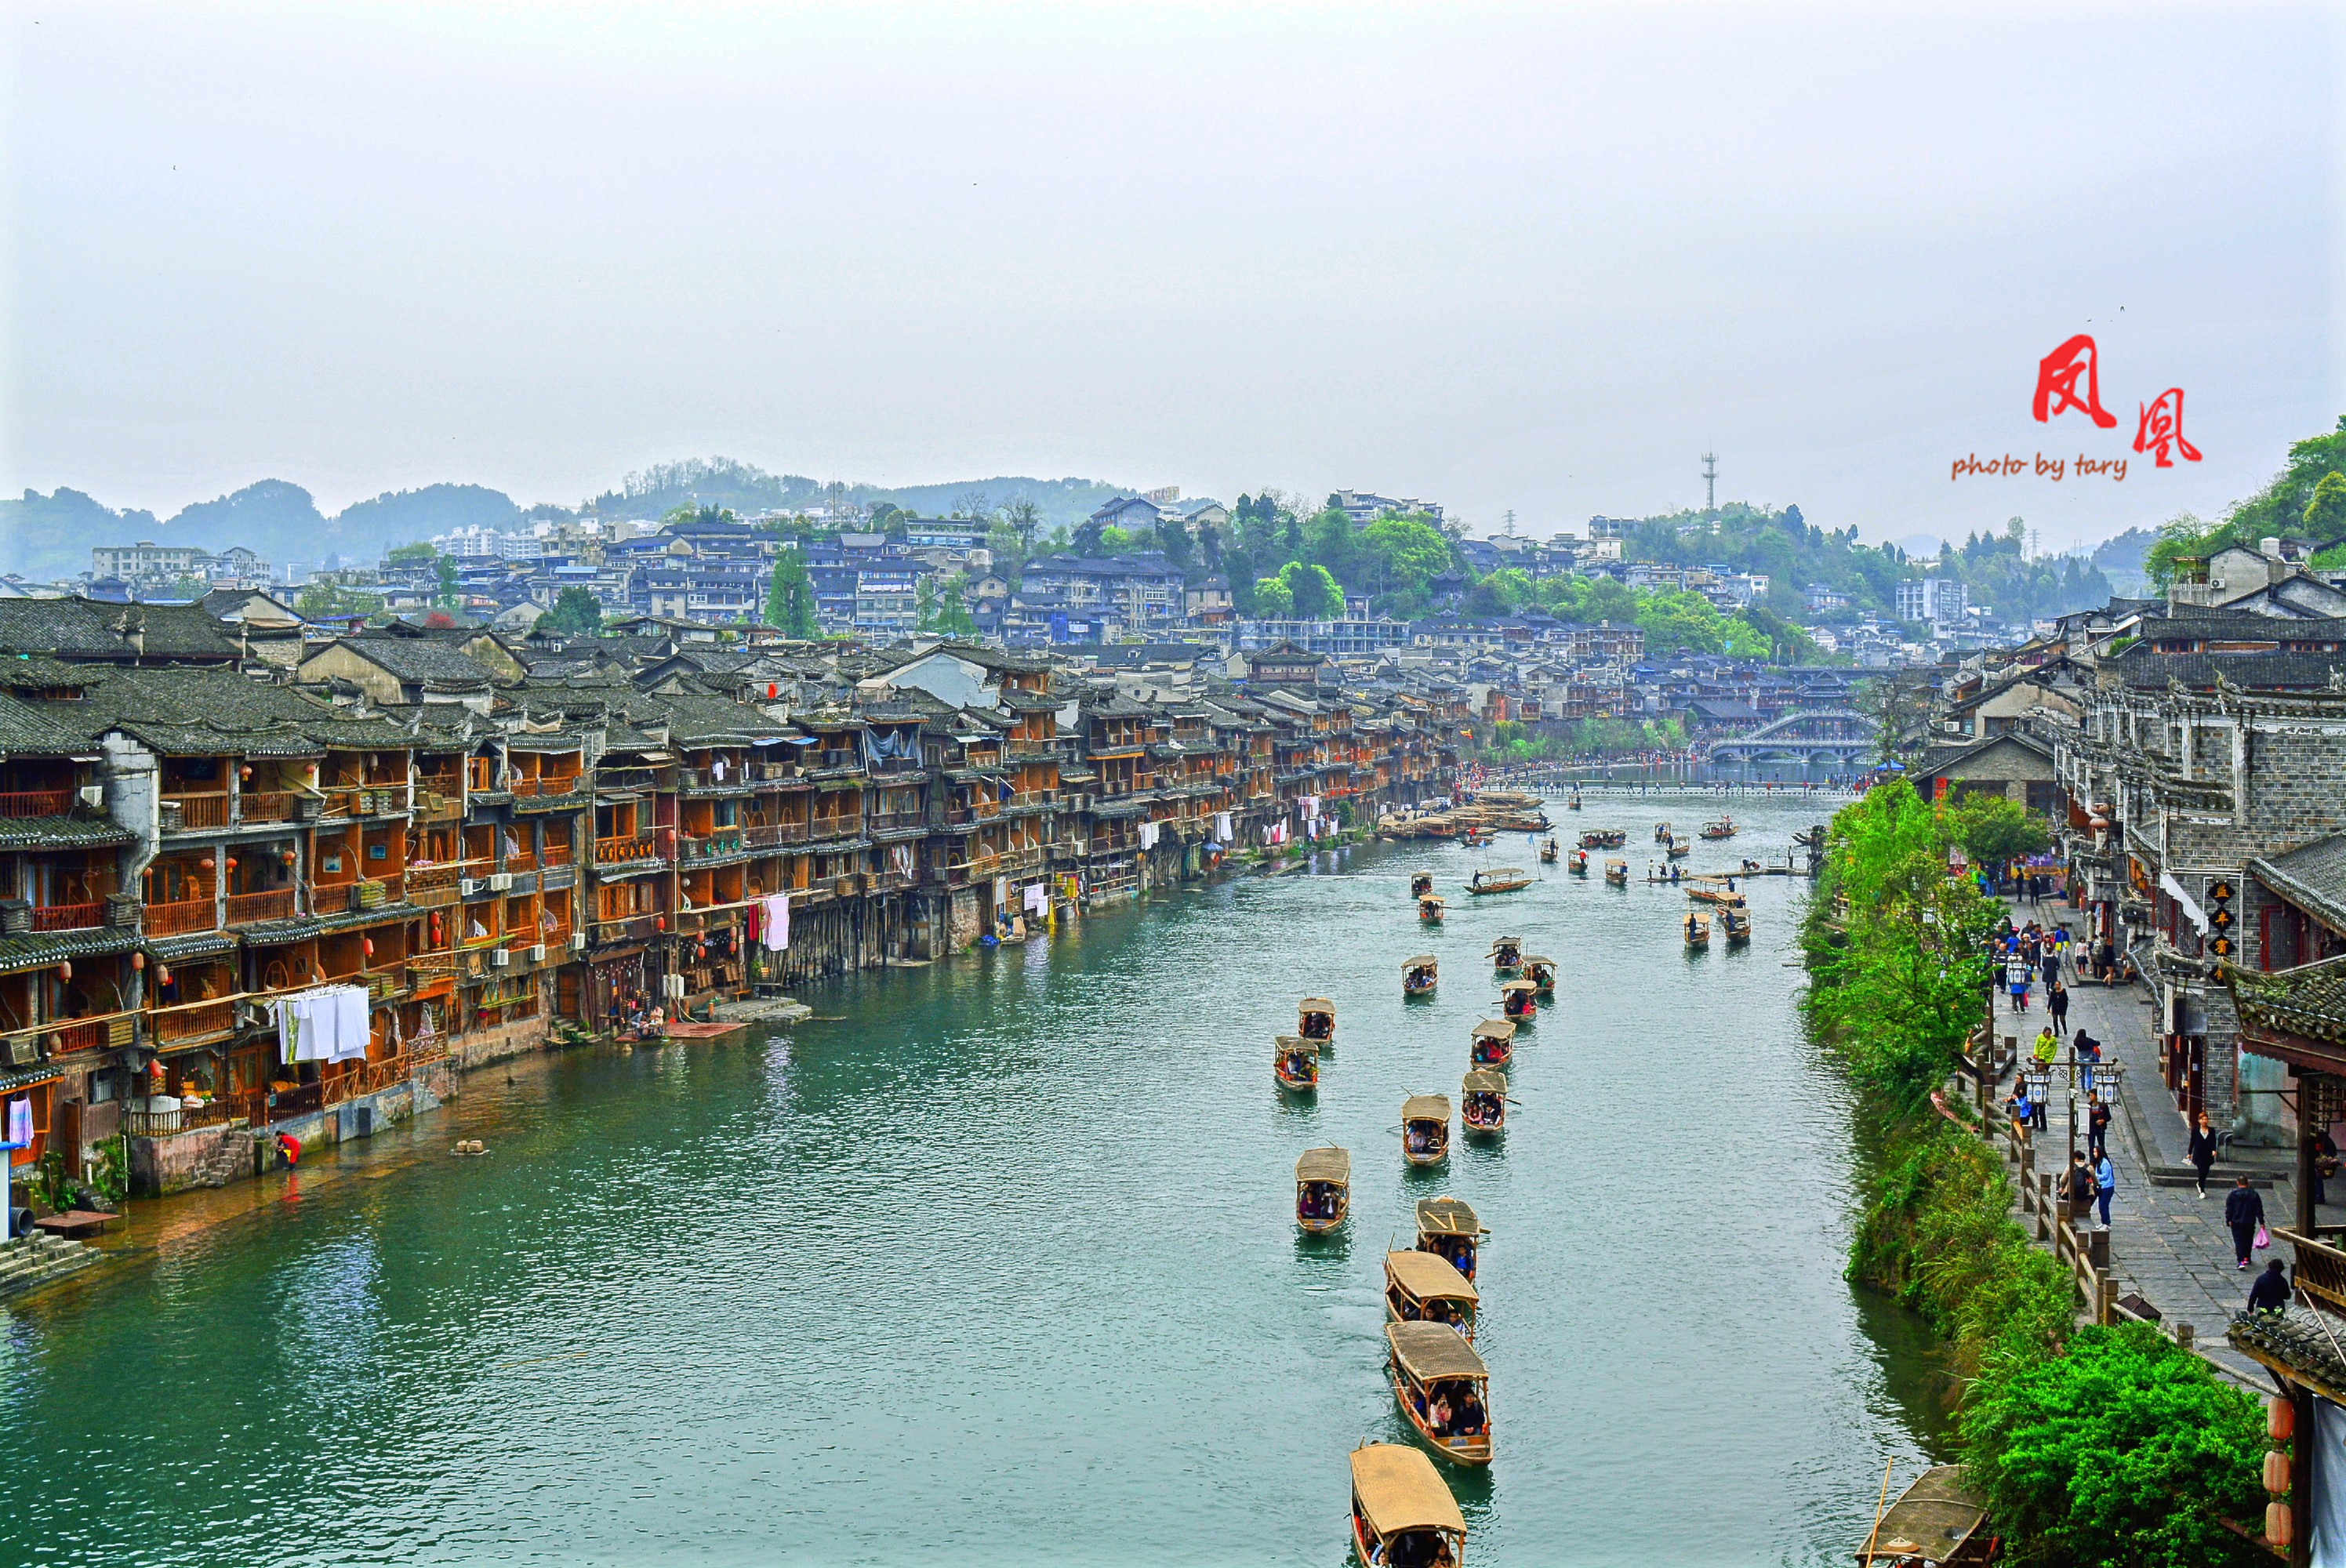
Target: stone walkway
column 2168, row 1245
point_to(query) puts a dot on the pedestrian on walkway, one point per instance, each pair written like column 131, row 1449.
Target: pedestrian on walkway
column 2038, row 1100
column 2048, row 960
column 2015, row 979
column 2244, row 1211
column 2203, row 1150
column 2023, row 1114
column 2076, row 1185
column 2088, row 1051
column 2056, row 1002
column 2106, row 1182
column 2270, row 1292
column 2045, row 1050
column 2097, row 1125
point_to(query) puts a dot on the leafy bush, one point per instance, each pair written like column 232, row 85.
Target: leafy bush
column 2119, row 1452
column 1994, row 829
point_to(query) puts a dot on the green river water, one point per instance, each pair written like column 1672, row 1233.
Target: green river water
column 1001, row 1268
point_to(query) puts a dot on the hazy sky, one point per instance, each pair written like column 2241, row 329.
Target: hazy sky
column 1505, row 258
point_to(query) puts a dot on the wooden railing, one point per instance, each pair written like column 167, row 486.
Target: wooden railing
column 68, row 917
column 143, row 1123
column 35, row 802
column 839, row 827
column 266, row 806
column 618, row 851
column 2320, row 1268
column 187, row 1019
column 2064, row 1224
column 520, row 860
column 770, row 834
column 546, row 786
column 729, row 842
column 184, row 915
column 277, row 903
column 208, row 811
column 555, row 853
column 82, row 1034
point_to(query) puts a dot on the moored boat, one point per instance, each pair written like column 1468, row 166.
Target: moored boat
column 1419, row 975
column 1518, row 1001
column 1296, row 1064
column 1507, row 954
column 1722, row 829
column 1933, row 1523
column 1429, row 909
column 1493, row 1043
column 1315, row 1020
column 1324, row 1189
column 1578, row 865
column 1617, row 872
column 1548, row 852
column 1726, row 897
column 1697, row 929
column 1420, row 1288
column 1483, row 1104
column 1541, row 972
column 1447, row 1227
column 1402, row 1511
column 1442, row 1387
column 1425, row 1129
column 1499, row 880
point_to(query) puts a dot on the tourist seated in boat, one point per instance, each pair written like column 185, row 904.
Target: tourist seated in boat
column 1422, row 883
column 1403, row 1514
column 1541, row 972
column 1519, row 1000
column 1507, row 952
column 1298, row 1063
column 1483, row 1101
column 1429, row 909
column 1322, row 1188
column 1315, row 1019
column 1418, row 974
column 1447, row 1227
column 1423, row 1288
column 1425, row 1128
column 1434, row 1371
column 1493, row 1043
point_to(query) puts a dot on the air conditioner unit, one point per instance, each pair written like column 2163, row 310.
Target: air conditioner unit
column 94, row 797
column 500, row 958
column 578, row 942
column 499, row 882
column 466, row 887
column 537, row 953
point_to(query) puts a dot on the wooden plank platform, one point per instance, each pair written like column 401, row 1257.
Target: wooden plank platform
column 686, row 1029
column 73, row 1223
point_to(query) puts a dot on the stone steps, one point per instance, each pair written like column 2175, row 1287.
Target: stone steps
column 38, row 1259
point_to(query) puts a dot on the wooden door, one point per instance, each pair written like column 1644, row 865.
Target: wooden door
column 567, row 990
column 65, row 1135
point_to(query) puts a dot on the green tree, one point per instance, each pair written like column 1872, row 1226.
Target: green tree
column 789, row 597
column 2125, row 1452
column 1173, row 538
column 944, row 604
column 1401, row 555
column 576, row 612
column 1680, row 621
column 419, row 550
column 1274, row 600
column 1994, row 829
column 332, row 601
column 450, row 595
column 2325, row 511
column 1313, row 591
column 1023, row 518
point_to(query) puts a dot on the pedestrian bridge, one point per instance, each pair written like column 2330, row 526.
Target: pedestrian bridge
column 1829, row 737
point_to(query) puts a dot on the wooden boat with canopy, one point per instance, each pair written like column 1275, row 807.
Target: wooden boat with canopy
column 1617, row 872
column 1548, row 852
column 1541, row 972
column 1722, row 829
column 1483, row 1104
column 1429, row 909
column 1324, row 1189
column 1493, row 1043
column 1315, row 1020
column 1734, row 924
column 1296, row 1064
column 1519, row 1001
column 1499, row 880
column 1446, row 1226
column 1420, row 1288
column 1604, row 839
column 1425, row 1129
column 1697, row 929
column 1706, row 891
column 1661, row 832
column 1419, row 975
column 1402, row 1511
column 1578, row 864
column 1507, row 954
column 1421, row 884
column 1574, row 804
column 1678, row 850
column 1442, row 1387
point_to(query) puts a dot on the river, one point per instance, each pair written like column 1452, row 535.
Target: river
column 999, row 1267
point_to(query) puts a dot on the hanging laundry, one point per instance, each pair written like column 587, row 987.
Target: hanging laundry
column 1222, row 827
column 20, row 1123
column 1038, row 897
column 777, row 933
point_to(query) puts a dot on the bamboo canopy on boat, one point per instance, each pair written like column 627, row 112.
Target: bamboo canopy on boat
column 1431, row 1350
column 1425, row 1108
column 1481, row 1080
column 1324, row 1165
column 1494, row 1028
column 1449, row 1215
column 1399, row 1489
column 1429, row 1276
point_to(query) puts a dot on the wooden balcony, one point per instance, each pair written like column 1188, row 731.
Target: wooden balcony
column 20, row 803
column 434, row 885
column 2320, row 1269
column 267, row 806
column 199, row 812
column 774, row 835
column 190, row 1021
column 619, row 851
column 277, row 903
column 716, row 845
column 68, row 917
column 181, row 917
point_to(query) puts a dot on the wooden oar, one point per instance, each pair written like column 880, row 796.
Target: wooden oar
column 1866, row 1556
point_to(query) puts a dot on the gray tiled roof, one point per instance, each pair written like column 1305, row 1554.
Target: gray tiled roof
column 85, row 629
column 2311, row 876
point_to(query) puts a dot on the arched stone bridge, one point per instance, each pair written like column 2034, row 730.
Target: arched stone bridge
column 1832, row 736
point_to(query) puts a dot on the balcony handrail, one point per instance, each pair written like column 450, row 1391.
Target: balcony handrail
column 269, row 903
column 23, row 803
column 180, row 916
column 266, row 806
column 201, row 808
column 68, row 917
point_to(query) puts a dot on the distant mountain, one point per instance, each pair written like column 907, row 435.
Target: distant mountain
column 49, row 537
column 403, row 517
column 744, row 487
column 273, row 519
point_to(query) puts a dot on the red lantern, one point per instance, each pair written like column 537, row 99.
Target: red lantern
column 2278, row 1523
column 287, row 857
column 138, row 960
column 65, row 969
column 206, row 862
column 367, row 946
column 2281, row 1418
column 660, row 923
column 232, row 862
column 162, row 974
